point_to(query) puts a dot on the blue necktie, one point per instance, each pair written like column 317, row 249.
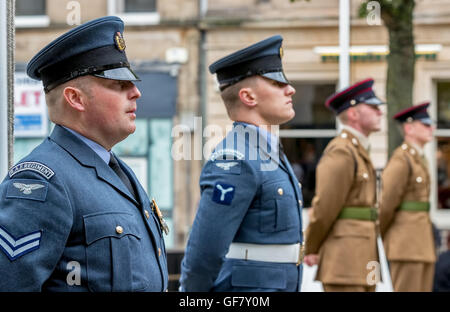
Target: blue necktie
column 114, row 164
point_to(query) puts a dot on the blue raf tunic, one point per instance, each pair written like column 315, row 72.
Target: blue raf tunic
column 68, row 223
column 247, row 196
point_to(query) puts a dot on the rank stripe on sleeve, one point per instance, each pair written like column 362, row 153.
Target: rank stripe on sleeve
column 15, row 248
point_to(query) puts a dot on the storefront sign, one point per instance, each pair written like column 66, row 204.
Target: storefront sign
column 30, row 110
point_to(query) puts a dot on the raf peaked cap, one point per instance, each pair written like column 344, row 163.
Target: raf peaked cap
column 93, row 48
column 262, row 58
column 416, row 112
column 360, row 92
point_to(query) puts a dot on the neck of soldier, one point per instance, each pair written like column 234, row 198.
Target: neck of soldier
column 357, row 127
column 90, row 134
column 259, row 122
column 414, row 141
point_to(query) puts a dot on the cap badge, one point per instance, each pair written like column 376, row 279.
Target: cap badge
column 281, row 52
column 119, row 41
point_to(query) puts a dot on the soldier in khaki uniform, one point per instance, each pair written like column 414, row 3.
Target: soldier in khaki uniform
column 404, row 208
column 341, row 235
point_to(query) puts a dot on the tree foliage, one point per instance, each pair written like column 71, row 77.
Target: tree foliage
column 397, row 16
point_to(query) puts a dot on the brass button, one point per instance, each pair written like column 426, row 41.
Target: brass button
column 344, row 135
column 419, row 179
column 365, row 175
column 352, row 102
column 354, row 141
column 300, row 202
column 404, row 147
column 413, row 152
column 119, row 229
column 147, row 215
column 159, row 252
column 299, row 185
column 280, row 191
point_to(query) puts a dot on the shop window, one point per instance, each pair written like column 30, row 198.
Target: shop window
column 443, row 172
column 443, row 105
column 31, row 13
column 30, row 7
column 134, row 6
column 309, row 104
column 135, row 12
column 305, row 137
column 443, row 145
column 304, row 155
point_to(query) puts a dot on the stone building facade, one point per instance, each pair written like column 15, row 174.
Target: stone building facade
column 172, row 42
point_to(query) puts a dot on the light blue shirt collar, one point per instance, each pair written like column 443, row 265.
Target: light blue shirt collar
column 97, row 148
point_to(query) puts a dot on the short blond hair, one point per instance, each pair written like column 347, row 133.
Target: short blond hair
column 55, row 99
column 343, row 117
column 230, row 95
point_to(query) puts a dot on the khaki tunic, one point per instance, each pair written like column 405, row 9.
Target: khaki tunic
column 407, row 235
column 345, row 177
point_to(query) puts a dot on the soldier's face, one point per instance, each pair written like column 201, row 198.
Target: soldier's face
column 112, row 108
column 274, row 101
column 420, row 132
column 369, row 118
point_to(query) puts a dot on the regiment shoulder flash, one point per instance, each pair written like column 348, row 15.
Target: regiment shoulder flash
column 226, row 154
column 34, row 166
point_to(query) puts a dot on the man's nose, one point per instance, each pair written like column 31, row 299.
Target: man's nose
column 290, row 90
column 134, row 92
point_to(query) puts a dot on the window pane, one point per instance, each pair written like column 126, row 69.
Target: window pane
column 160, row 160
column 309, row 104
column 304, row 155
column 443, row 98
column 443, row 172
column 140, row 6
column 135, row 144
column 30, row 7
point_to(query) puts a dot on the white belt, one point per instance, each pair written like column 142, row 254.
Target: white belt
column 292, row 253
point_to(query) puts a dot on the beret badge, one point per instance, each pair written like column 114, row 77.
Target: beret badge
column 119, row 41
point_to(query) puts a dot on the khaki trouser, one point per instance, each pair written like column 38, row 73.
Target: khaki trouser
column 412, row 276
column 348, row 288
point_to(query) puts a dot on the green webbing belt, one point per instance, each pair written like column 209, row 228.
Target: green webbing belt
column 359, row 213
column 414, row 206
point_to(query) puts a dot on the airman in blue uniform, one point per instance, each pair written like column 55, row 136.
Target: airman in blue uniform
column 73, row 216
column 247, row 233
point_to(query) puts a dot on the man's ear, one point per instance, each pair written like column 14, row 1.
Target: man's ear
column 407, row 127
column 247, row 97
column 75, row 98
column 352, row 113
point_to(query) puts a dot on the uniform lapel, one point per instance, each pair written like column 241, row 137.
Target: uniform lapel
column 105, row 173
column 361, row 150
column 88, row 158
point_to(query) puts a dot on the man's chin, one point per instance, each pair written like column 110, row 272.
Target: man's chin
column 288, row 118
